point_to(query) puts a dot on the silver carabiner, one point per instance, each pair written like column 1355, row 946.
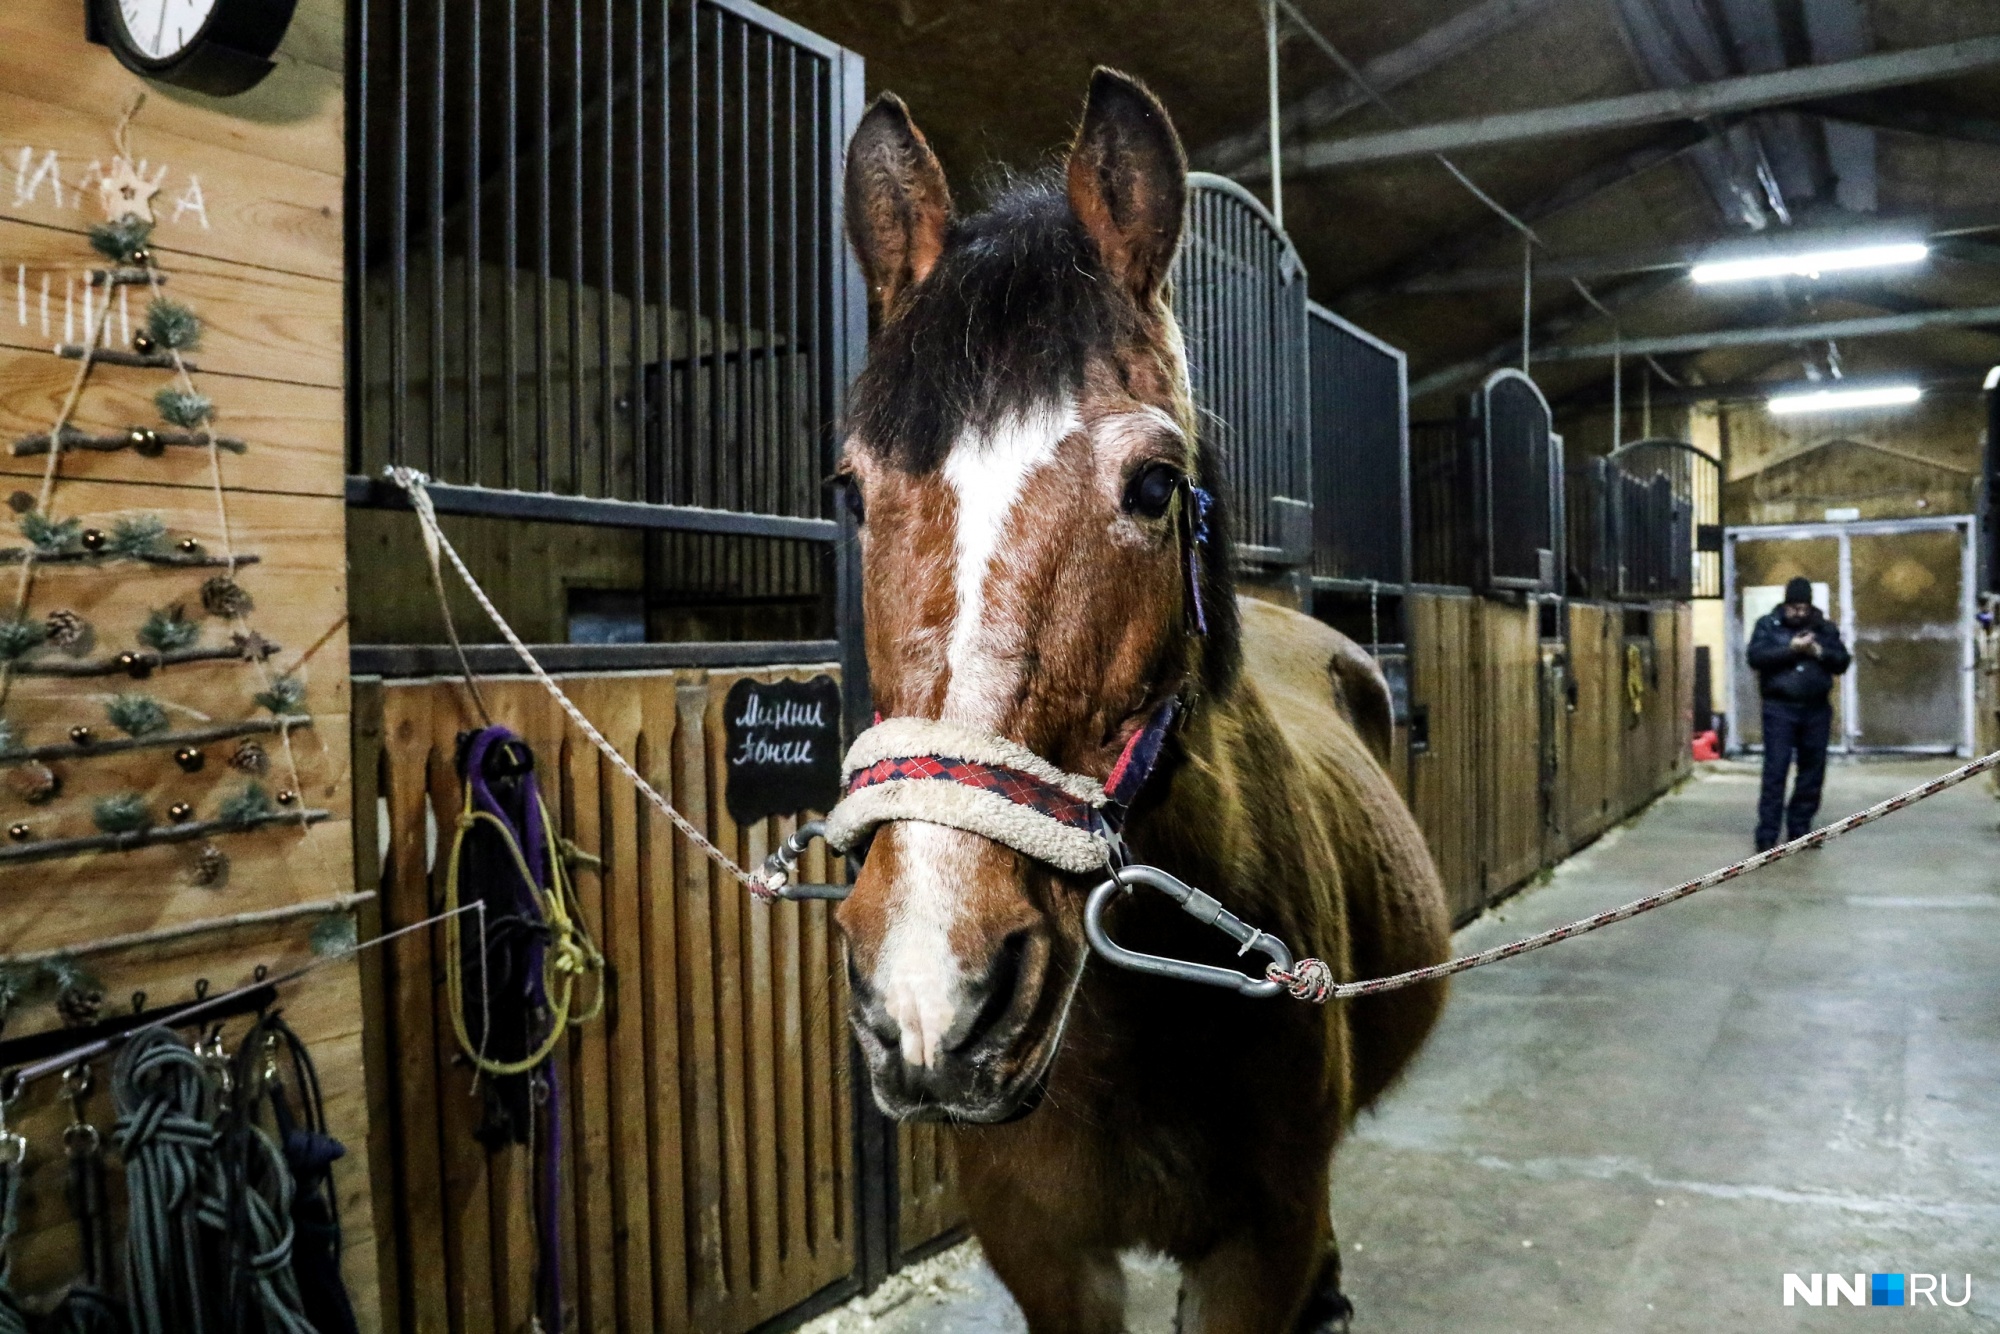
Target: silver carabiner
column 1203, row 908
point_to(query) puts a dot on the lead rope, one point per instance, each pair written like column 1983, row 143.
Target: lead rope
column 13, row 1158
column 571, row 951
column 87, row 1308
column 1312, row 980
column 159, row 1088
column 435, row 541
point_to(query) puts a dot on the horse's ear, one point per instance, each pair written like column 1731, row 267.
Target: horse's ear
column 1128, row 181
column 898, row 205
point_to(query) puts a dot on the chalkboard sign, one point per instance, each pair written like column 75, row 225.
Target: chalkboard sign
column 783, row 747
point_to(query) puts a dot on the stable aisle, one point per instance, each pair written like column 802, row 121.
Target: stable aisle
column 1648, row 1128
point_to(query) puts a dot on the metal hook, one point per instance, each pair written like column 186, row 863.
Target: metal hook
column 77, row 1084
column 1203, row 908
column 260, row 972
column 201, row 988
column 782, row 864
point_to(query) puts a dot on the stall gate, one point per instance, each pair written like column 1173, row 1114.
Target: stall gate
column 1240, row 294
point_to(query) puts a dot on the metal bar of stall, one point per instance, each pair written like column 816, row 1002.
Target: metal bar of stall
column 719, row 318
column 694, row 488
column 746, row 436
column 359, row 59
column 773, row 496
column 475, row 281
column 544, row 385
column 573, row 390
column 510, row 241
column 435, row 170
column 399, row 248
column 796, row 500
column 607, row 291
column 635, row 374
column 660, row 447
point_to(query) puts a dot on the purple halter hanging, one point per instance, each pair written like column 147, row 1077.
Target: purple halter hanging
column 508, row 792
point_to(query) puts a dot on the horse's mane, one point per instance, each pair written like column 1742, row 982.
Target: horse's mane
column 1013, row 315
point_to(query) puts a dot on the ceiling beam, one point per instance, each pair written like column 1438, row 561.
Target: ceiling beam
column 1749, row 92
column 1941, row 232
column 1575, row 191
column 1548, row 329
column 1248, row 154
column 1866, row 327
column 1896, row 113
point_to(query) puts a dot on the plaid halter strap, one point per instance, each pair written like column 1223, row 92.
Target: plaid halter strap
column 942, row 773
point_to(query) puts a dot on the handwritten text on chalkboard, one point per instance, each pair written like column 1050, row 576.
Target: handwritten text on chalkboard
column 782, row 744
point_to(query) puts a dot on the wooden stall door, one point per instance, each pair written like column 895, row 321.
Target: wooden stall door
column 1445, row 798
column 1594, row 727
column 707, row 1154
column 1556, row 716
column 1510, row 752
column 929, row 1213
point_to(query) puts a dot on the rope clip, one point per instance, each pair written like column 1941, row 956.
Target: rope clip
column 1203, row 908
column 779, row 868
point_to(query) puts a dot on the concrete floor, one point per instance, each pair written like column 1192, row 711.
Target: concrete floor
column 1646, row 1129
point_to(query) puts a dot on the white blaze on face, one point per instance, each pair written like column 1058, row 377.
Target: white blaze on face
column 917, row 975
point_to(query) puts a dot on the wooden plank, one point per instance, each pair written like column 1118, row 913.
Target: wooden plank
column 732, row 1040
column 295, row 115
column 794, row 1163
column 370, row 769
column 620, row 709
column 255, row 323
column 590, row 1065
column 701, row 1080
column 252, row 210
column 662, row 877
column 410, row 965
column 826, row 1050
column 295, row 433
column 468, row 1206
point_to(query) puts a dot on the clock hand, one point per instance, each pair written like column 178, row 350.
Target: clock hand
column 160, row 32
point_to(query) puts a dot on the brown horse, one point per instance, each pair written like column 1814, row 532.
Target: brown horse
column 1020, row 452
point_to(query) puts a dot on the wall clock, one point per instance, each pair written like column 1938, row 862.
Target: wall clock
column 212, row 46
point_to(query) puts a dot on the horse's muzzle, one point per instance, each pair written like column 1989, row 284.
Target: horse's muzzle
column 990, row 1066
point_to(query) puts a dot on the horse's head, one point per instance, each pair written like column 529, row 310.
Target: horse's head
column 1019, row 455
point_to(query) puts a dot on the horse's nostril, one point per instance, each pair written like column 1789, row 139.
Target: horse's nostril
column 996, row 992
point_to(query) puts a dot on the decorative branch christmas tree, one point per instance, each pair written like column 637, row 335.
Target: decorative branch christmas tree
column 56, row 644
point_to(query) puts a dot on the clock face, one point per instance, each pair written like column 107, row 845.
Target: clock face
column 163, row 29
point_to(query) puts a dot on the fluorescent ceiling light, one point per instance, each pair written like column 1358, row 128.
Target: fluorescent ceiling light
column 1992, row 379
column 1837, row 400
column 1810, row 264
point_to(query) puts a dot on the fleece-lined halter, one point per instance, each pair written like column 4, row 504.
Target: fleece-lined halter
column 949, row 774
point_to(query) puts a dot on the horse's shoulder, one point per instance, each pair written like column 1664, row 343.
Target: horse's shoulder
column 1293, row 655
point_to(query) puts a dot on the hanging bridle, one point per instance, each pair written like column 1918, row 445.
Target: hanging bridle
column 949, row 774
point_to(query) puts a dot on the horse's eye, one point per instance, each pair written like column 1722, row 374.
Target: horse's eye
column 849, row 491
column 1151, row 490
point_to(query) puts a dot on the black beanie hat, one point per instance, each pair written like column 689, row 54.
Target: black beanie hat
column 1799, row 590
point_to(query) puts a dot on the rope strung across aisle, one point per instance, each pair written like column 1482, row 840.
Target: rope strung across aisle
column 1312, row 980
column 435, row 542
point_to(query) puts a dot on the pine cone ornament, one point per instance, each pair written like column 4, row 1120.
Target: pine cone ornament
column 79, row 1003
column 33, row 782
column 250, row 757
column 210, row 868
column 223, row 597
column 67, row 630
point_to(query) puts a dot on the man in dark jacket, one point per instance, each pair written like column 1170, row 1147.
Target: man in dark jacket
column 1797, row 653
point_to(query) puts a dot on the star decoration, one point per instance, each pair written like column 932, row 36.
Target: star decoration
column 124, row 191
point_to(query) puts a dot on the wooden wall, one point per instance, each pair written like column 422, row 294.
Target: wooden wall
column 250, row 238
column 708, row 1154
column 1516, row 777
column 1443, row 784
column 1509, row 690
